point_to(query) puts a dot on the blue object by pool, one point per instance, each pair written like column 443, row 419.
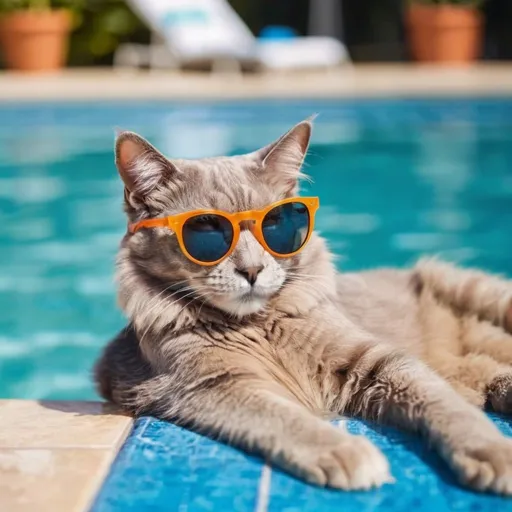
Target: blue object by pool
column 275, row 32
column 163, row 468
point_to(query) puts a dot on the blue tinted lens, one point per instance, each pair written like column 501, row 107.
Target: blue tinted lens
column 286, row 227
column 207, row 237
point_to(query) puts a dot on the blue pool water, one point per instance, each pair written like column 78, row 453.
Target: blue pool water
column 396, row 179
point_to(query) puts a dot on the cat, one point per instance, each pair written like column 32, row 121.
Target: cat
column 258, row 350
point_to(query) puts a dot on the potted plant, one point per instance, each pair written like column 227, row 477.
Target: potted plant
column 445, row 31
column 34, row 34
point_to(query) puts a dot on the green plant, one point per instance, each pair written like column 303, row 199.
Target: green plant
column 38, row 5
column 101, row 26
column 461, row 3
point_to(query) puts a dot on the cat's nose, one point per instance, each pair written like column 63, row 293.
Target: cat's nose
column 250, row 273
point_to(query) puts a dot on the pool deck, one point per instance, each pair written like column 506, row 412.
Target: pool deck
column 346, row 82
column 55, row 456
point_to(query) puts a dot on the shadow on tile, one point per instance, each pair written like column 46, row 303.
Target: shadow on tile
column 79, row 408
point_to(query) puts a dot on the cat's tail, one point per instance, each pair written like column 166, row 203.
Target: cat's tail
column 467, row 291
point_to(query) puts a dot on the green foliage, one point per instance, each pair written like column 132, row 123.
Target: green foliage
column 22, row 5
column 101, row 26
column 461, row 3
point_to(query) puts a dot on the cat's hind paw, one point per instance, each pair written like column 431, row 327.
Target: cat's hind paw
column 499, row 393
column 507, row 319
column 487, row 468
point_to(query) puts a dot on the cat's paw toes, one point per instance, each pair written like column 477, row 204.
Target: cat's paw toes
column 499, row 393
column 353, row 464
column 488, row 468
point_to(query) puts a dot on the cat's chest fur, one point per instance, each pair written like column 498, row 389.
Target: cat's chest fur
column 299, row 353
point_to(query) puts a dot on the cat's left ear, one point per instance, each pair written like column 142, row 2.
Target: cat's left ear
column 281, row 161
column 141, row 166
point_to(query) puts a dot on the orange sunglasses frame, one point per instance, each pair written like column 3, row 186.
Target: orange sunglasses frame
column 254, row 217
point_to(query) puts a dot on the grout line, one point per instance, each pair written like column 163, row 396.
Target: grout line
column 264, row 489
column 133, row 442
column 144, row 426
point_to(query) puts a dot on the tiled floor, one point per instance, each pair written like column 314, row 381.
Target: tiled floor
column 55, row 455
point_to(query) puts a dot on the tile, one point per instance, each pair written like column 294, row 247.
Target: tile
column 47, row 424
column 62, row 480
column 165, row 468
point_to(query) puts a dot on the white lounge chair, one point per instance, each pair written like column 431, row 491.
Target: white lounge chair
column 198, row 33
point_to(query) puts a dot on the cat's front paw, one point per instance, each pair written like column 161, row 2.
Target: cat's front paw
column 351, row 464
column 486, row 468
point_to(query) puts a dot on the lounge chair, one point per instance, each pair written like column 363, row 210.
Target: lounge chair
column 209, row 33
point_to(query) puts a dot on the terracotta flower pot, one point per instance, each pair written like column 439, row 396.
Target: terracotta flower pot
column 35, row 40
column 444, row 33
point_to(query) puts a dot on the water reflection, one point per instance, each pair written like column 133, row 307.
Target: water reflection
column 396, row 179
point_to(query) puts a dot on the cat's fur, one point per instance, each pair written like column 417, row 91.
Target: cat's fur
column 259, row 367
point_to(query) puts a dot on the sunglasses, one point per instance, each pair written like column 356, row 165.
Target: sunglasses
column 207, row 237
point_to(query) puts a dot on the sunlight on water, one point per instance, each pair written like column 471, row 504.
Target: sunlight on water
column 395, row 178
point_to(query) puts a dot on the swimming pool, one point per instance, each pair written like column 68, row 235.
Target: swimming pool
column 396, row 178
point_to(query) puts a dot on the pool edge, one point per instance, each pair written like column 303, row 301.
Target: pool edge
column 359, row 81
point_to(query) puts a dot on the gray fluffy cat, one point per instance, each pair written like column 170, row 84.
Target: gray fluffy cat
column 256, row 350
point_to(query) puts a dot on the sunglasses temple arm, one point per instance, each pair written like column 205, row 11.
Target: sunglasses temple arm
column 151, row 223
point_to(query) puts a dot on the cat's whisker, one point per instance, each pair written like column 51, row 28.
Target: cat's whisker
column 165, row 308
column 198, row 297
column 161, row 299
column 201, row 307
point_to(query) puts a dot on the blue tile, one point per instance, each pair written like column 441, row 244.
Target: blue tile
column 423, row 482
column 162, row 467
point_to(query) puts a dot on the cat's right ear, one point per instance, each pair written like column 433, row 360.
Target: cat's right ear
column 141, row 166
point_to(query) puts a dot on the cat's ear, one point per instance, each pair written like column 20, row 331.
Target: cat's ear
column 141, row 166
column 282, row 160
